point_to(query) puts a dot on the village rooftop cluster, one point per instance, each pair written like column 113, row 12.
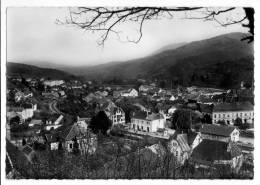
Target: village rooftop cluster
column 134, row 130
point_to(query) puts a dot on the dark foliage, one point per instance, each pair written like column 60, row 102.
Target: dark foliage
column 100, row 123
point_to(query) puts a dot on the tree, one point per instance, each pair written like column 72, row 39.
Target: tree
column 181, row 120
column 100, row 123
column 206, row 119
column 107, row 19
column 238, row 122
column 15, row 121
column 23, row 142
column 221, row 122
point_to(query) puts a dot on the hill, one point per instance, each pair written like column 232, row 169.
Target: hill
column 30, row 71
column 222, row 61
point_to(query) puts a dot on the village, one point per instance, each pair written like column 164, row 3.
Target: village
column 90, row 129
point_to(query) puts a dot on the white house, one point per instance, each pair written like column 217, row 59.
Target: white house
column 54, row 123
column 114, row 113
column 229, row 112
column 129, row 93
column 147, row 122
column 172, row 98
column 25, row 112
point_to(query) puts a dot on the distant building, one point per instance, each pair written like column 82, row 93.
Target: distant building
column 145, row 88
column 114, row 113
column 129, row 93
column 25, row 111
column 54, row 122
column 219, row 133
column 35, row 122
column 52, row 83
column 212, row 152
column 229, row 112
column 148, row 122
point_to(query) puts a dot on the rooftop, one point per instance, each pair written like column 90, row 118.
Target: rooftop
column 211, row 150
column 219, row 130
column 237, row 106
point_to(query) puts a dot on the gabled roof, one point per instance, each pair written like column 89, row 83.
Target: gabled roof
column 154, row 116
column 191, row 137
column 237, row 106
column 212, row 150
column 182, row 139
column 139, row 115
column 68, row 133
column 219, row 130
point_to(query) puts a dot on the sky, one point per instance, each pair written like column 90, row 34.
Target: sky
column 33, row 37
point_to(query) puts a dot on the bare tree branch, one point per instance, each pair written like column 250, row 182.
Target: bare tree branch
column 107, row 19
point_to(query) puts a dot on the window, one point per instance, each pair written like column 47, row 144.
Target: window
column 219, row 115
column 215, row 116
column 147, row 129
column 142, row 128
column 70, row 145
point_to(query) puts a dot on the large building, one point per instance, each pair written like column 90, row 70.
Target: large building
column 210, row 152
column 229, row 112
column 148, row 122
column 219, row 133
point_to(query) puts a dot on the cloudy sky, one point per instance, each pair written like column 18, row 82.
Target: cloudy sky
column 33, row 37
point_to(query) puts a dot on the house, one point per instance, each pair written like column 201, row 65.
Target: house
column 69, row 136
column 145, row 88
column 172, row 98
column 114, row 113
column 34, row 122
column 52, row 83
column 62, row 94
column 212, row 152
column 147, row 122
column 92, row 97
column 229, row 112
column 129, row 93
column 179, row 146
column 83, row 122
column 25, row 111
column 219, row 132
column 54, row 122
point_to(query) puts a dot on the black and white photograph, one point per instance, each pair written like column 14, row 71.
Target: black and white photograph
column 129, row 92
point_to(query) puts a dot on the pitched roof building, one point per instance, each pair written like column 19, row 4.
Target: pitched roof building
column 212, row 152
column 219, row 132
column 228, row 112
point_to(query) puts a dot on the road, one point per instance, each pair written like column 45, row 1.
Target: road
column 53, row 107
